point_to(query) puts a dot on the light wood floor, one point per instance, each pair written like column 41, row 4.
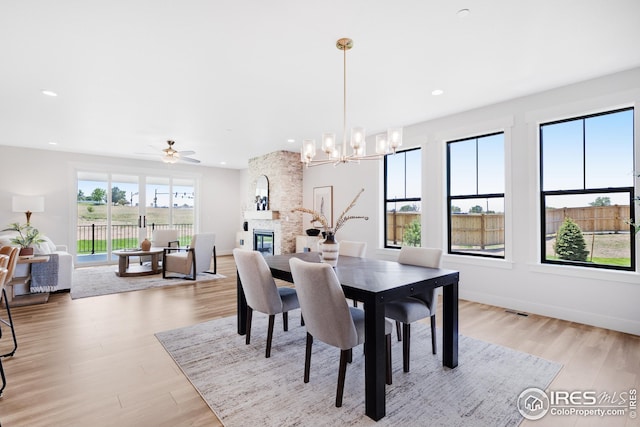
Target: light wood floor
column 96, row 362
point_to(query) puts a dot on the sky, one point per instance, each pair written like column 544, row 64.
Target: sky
column 156, row 189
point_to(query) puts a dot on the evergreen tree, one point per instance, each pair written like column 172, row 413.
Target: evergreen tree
column 412, row 234
column 570, row 244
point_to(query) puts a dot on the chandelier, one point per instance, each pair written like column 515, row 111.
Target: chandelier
column 335, row 154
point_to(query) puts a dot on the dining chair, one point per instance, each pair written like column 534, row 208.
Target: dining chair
column 420, row 306
column 329, row 318
column 13, row 254
column 191, row 260
column 354, row 249
column 262, row 293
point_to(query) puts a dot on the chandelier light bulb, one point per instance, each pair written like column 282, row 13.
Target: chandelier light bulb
column 395, row 138
column 328, row 142
column 308, row 150
column 357, row 138
column 382, row 144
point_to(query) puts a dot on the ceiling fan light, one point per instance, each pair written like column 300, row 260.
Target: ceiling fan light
column 167, row 158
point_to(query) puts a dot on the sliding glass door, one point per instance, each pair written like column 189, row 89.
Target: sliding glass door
column 118, row 211
column 170, row 204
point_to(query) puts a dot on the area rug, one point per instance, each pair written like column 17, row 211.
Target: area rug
column 244, row 388
column 94, row 281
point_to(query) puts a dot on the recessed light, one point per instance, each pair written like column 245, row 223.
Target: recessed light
column 463, row 13
column 291, row 140
column 437, row 92
column 223, row 162
column 49, row 92
column 53, row 143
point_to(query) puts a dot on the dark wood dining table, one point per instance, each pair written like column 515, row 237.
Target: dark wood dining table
column 376, row 282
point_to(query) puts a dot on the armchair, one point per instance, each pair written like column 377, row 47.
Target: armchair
column 192, row 260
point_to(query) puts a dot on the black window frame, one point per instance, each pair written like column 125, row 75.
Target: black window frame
column 595, row 191
column 386, row 200
column 451, row 198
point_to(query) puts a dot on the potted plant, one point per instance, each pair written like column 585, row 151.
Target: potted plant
column 27, row 237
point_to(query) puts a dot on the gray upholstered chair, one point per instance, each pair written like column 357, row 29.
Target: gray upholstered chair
column 192, row 260
column 409, row 310
column 262, row 293
column 10, row 257
column 353, row 248
column 329, row 318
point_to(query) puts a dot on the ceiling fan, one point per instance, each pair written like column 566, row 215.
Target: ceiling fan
column 171, row 155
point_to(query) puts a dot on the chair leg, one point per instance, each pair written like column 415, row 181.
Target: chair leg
column 272, row 318
column 248, row 334
column 4, row 380
column 9, row 324
column 344, row 354
column 388, row 339
column 434, row 346
column 193, row 268
column 215, row 261
column 301, row 320
column 406, row 331
column 307, row 357
column 398, row 331
column 355, row 303
column 285, row 320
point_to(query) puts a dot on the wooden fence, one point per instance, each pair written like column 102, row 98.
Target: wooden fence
column 397, row 222
column 481, row 230
column 477, row 230
column 590, row 219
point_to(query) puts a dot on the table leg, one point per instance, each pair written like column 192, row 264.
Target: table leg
column 450, row 325
column 122, row 264
column 154, row 263
column 242, row 308
column 375, row 360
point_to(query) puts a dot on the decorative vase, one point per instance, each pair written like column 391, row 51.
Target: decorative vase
column 330, row 250
column 145, row 245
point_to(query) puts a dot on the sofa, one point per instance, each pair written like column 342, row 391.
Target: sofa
column 63, row 261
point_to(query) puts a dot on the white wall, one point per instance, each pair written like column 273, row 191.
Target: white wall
column 52, row 174
column 609, row 299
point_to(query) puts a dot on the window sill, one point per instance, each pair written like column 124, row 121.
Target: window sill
column 451, row 260
column 587, row 273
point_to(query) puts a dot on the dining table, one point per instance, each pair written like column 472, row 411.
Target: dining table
column 375, row 282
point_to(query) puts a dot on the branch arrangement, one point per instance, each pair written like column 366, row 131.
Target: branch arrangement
column 342, row 219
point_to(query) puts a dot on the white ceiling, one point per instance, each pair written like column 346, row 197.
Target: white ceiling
column 236, row 79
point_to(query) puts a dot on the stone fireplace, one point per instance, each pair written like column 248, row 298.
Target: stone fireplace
column 284, row 172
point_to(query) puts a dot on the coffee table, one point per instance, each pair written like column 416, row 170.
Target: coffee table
column 125, row 269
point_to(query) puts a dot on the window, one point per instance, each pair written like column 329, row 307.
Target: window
column 475, row 191
column 586, row 177
column 402, row 195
